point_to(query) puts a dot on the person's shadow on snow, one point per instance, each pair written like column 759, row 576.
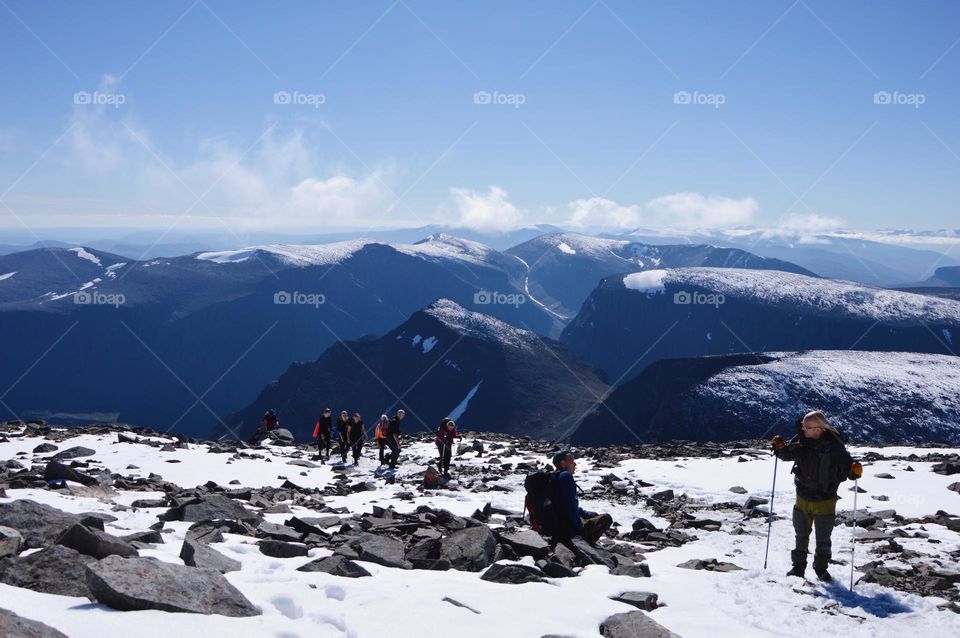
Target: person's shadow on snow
column 881, row 605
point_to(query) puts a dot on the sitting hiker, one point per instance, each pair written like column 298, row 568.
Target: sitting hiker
column 820, row 463
column 268, row 423
column 571, row 520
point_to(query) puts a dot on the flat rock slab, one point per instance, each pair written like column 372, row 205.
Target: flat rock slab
column 74, row 453
column 513, row 574
column 645, row 600
column 335, row 566
column 10, row 541
column 469, row 549
column 40, row 525
column 213, row 507
column 381, row 550
column 54, row 570
column 710, row 565
column 195, row 553
column 280, row 549
column 634, row 624
column 58, row 471
column 93, row 542
column 19, row 627
column 525, row 542
column 131, row 584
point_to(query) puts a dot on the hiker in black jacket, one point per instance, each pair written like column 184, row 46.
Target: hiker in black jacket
column 358, row 434
column 820, row 463
column 322, row 433
column 268, row 424
column 393, row 438
column 343, row 434
column 572, row 520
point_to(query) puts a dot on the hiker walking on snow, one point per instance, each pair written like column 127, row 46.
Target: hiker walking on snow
column 322, row 433
column 343, row 434
column 268, row 424
column 820, row 463
column 380, row 434
column 357, row 435
column 571, row 519
column 445, row 436
column 393, row 438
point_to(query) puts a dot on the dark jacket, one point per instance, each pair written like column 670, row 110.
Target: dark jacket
column 343, row 427
column 324, row 426
column 393, row 428
column 819, row 465
column 356, row 430
column 445, row 437
column 567, row 506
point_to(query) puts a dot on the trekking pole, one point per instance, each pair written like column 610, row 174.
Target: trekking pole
column 773, row 490
column 853, row 533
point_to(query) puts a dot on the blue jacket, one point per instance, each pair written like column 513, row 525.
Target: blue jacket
column 567, row 506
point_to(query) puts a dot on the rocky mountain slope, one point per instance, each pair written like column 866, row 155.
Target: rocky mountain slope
column 880, row 397
column 443, row 361
column 106, row 532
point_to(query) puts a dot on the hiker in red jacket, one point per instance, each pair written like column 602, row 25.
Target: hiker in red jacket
column 322, row 433
column 445, row 436
column 268, row 423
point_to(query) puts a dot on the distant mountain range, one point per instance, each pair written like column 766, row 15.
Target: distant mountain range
column 444, row 361
column 881, row 397
column 630, row 321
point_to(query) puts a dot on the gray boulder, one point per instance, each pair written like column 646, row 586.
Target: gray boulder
column 93, row 542
column 634, row 624
column 469, row 549
column 40, row 525
column 194, row 553
column 10, row 542
column 131, row 584
column 335, row 566
column 645, row 600
column 513, row 574
column 525, row 542
column 58, row 471
column 54, row 570
column 382, row 550
column 74, row 453
column 280, row 549
column 19, row 627
column 44, row 448
column 212, row 507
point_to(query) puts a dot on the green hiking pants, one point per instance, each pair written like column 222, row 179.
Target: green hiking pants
column 808, row 516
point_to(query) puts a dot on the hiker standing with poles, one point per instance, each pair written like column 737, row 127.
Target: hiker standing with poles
column 380, row 434
column 343, row 435
column 322, row 433
column 393, row 438
column 820, row 464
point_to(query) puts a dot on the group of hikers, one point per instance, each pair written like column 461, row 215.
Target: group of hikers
column 351, row 434
column 818, row 452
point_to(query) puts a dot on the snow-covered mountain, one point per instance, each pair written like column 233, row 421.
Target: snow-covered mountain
column 563, row 268
column 862, row 257
column 443, row 361
column 175, row 342
column 148, row 535
column 630, row 321
column 876, row 397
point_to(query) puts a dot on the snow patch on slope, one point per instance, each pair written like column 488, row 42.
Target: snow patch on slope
column 648, row 281
column 824, row 296
column 475, row 324
column 7, row 275
column 458, row 411
column 83, row 254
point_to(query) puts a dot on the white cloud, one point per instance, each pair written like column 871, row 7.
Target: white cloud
column 489, row 211
column 602, row 212
column 693, row 210
column 805, row 227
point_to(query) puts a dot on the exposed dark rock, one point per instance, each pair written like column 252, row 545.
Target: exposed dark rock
column 335, row 566
column 10, row 542
column 197, row 554
column 212, row 507
column 647, row 601
column 469, row 549
column 143, row 583
column 513, row 574
column 44, row 448
column 16, row 626
column 634, row 624
column 525, row 542
column 93, row 542
column 58, row 471
column 381, row 550
column 53, row 570
column 40, row 525
column 74, row 453
column 709, row 564
column 280, row 549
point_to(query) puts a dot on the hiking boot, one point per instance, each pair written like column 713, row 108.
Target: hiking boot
column 797, row 570
column 824, row 576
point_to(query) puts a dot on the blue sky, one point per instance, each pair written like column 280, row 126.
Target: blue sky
column 588, row 123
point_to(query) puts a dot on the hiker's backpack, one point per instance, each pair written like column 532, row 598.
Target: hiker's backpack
column 539, row 502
